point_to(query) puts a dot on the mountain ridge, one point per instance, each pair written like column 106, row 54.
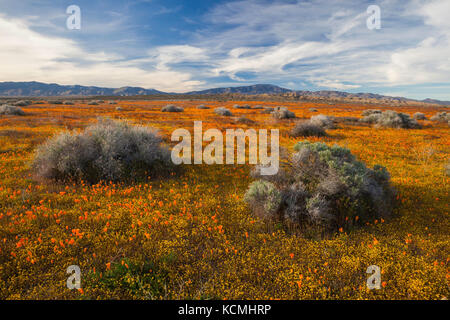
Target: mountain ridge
column 40, row 89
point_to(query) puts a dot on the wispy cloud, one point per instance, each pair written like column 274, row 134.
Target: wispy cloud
column 320, row 44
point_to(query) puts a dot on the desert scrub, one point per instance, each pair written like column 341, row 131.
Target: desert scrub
column 391, row 119
column 172, row 108
column 11, row 110
column 441, row 117
column 109, row 150
column 282, row 113
column 419, row 116
column 308, row 129
column 244, row 120
column 322, row 186
column 223, row 112
column 323, row 121
column 369, row 112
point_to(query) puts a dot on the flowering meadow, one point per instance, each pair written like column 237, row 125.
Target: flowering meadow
column 191, row 235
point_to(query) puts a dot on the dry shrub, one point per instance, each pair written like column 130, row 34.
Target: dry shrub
column 267, row 110
column 419, row 116
column 109, row 150
column 323, row 121
column 322, row 186
column 308, row 129
column 441, row 117
column 369, row 112
column 8, row 110
column 282, row 113
column 313, row 110
column 391, row 119
column 244, row 120
column 202, row 106
column 22, row 103
column 221, row 111
column 172, row 108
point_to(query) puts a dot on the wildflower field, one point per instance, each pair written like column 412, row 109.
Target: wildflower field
column 191, row 235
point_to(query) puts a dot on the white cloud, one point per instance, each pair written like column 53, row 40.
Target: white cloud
column 26, row 55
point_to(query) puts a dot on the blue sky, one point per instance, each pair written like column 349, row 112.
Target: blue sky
column 179, row 46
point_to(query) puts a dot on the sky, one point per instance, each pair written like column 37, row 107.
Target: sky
column 180, row 46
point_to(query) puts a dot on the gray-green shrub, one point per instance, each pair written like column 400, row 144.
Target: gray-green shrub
column 11, row 110
column 221, row 111
column 323, row 186
column 172, row 108
column 109, row 151
column 308, row 129
column 391, row 119
column 419, row 116
column 323, row 121
column 282, row 113
column 369, row 112
column 441, row 117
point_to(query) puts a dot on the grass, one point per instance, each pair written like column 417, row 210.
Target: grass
column 192, row 236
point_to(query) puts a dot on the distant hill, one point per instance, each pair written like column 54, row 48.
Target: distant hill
column 39, row 89
column 254, row 89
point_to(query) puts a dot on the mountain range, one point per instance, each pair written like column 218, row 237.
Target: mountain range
column 39, row 89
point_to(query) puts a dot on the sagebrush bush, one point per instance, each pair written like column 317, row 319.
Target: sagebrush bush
column 267, row 110
column 22, row 103
column 313, row 110
column 202, row 106
column 323, row 121
column 391, row 119
column 419, row 116
column 68, row 103
column 11, row 110
column 369, row 112
column 109, row 150
column 324, row 186
column 244, row 120
column 282, row 113
column 441, row 117
column 221, row 111
column 245, row 106
column 308, row 129
column 93, row 103
column 172, row 108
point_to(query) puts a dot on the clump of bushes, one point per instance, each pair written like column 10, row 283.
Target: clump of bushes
column 245, row 106
column 68, row 103
column 308, row 129
column 202, row 106
column 313, row 110
column 267, row 110
column 441, row 117
column 322, row 186
column 8, row 110
column 112, row 102
column 119, row 109
column 282, row 113
column 22, row 103
column 221, row 111
column 323, row 121
column 391, row 119
column 55, row 102
column 419, row 116
column 93, row 103
column 257, row 107
column 109, row 151
column 369, row 112
column 172, row 108
column 244, row 120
